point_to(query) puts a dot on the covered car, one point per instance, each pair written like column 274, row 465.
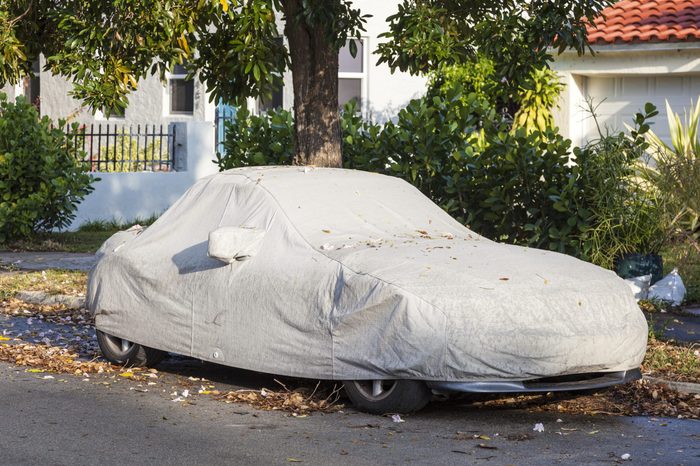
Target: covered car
column 353, row 276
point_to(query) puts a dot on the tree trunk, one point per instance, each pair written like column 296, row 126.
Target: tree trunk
column 315, row 82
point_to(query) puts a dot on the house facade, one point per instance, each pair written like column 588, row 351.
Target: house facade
column 380, row 93
column 154, row 102
column 645, row 51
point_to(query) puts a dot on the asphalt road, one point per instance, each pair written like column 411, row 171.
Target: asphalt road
column 68, row 420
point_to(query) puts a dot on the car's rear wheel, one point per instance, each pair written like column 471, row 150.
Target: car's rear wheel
column 388, row 396
column 126, row 353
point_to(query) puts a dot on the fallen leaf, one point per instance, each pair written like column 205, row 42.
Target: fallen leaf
column 294, row 460
column 487, row 447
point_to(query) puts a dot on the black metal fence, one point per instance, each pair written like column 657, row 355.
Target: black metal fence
column 121, row 148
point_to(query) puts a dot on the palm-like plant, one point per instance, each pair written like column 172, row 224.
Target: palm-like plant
column 675, row 170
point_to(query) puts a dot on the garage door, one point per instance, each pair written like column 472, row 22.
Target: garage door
column 625, row 96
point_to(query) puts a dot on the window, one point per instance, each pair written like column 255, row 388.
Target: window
column 352, row 79
column 31, row 85
column 181, row 92
column 352, row 74
column 275, row 100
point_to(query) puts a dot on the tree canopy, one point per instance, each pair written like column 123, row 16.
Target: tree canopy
column 106, row 46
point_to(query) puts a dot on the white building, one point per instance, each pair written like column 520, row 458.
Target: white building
column 646, row 51
column 380, row 92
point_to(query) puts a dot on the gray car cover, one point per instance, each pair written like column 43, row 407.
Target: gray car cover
column 357, row 276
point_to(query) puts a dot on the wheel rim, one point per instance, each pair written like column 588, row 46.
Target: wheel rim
column 118, row 345
column 375, row 390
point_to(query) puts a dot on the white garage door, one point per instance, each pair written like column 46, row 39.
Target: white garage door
column 625, row 96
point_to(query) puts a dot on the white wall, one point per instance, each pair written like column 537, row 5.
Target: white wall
column 388, row 93
column 127, row 196
column 640, row 73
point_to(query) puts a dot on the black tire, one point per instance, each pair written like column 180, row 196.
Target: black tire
column 125, row 353
column 394, row 396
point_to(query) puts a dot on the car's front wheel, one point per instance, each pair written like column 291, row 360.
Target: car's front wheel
column 126, row 353
column 388, row 396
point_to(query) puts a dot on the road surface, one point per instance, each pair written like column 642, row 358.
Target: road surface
column 70, row 420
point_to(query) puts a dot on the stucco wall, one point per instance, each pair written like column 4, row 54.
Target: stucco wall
column 147, row 105
column 677, row 66
column 388, row 92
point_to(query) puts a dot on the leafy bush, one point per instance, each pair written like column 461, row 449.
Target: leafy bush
column 41, row 182
column 477, row 77
column 675, row 171
column 266, row 139
column 626, row 213
column 537, row 96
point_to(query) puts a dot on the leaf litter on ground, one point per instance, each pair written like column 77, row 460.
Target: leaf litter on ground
column 299, row 401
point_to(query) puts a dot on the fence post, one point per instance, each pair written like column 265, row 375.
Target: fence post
column 179, row 129
column 194, row 148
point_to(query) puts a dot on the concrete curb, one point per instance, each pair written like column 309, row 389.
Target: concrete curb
column 45, row 299
column 682, row 387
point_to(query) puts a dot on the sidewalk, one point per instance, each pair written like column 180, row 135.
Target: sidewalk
column 48, row 260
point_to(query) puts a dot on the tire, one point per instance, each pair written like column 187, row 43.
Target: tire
column 125, row 353
column 388, row 396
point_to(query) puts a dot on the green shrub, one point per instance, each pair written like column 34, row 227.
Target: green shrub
column 537, row 97
column 266, row 139
column 477, row 77
column 626, row 213
column 41, row 182
column 675, row 171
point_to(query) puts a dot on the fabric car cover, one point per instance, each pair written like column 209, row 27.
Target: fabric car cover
column 359, row 276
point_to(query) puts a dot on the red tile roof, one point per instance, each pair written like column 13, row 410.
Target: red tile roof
column 634, row 21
